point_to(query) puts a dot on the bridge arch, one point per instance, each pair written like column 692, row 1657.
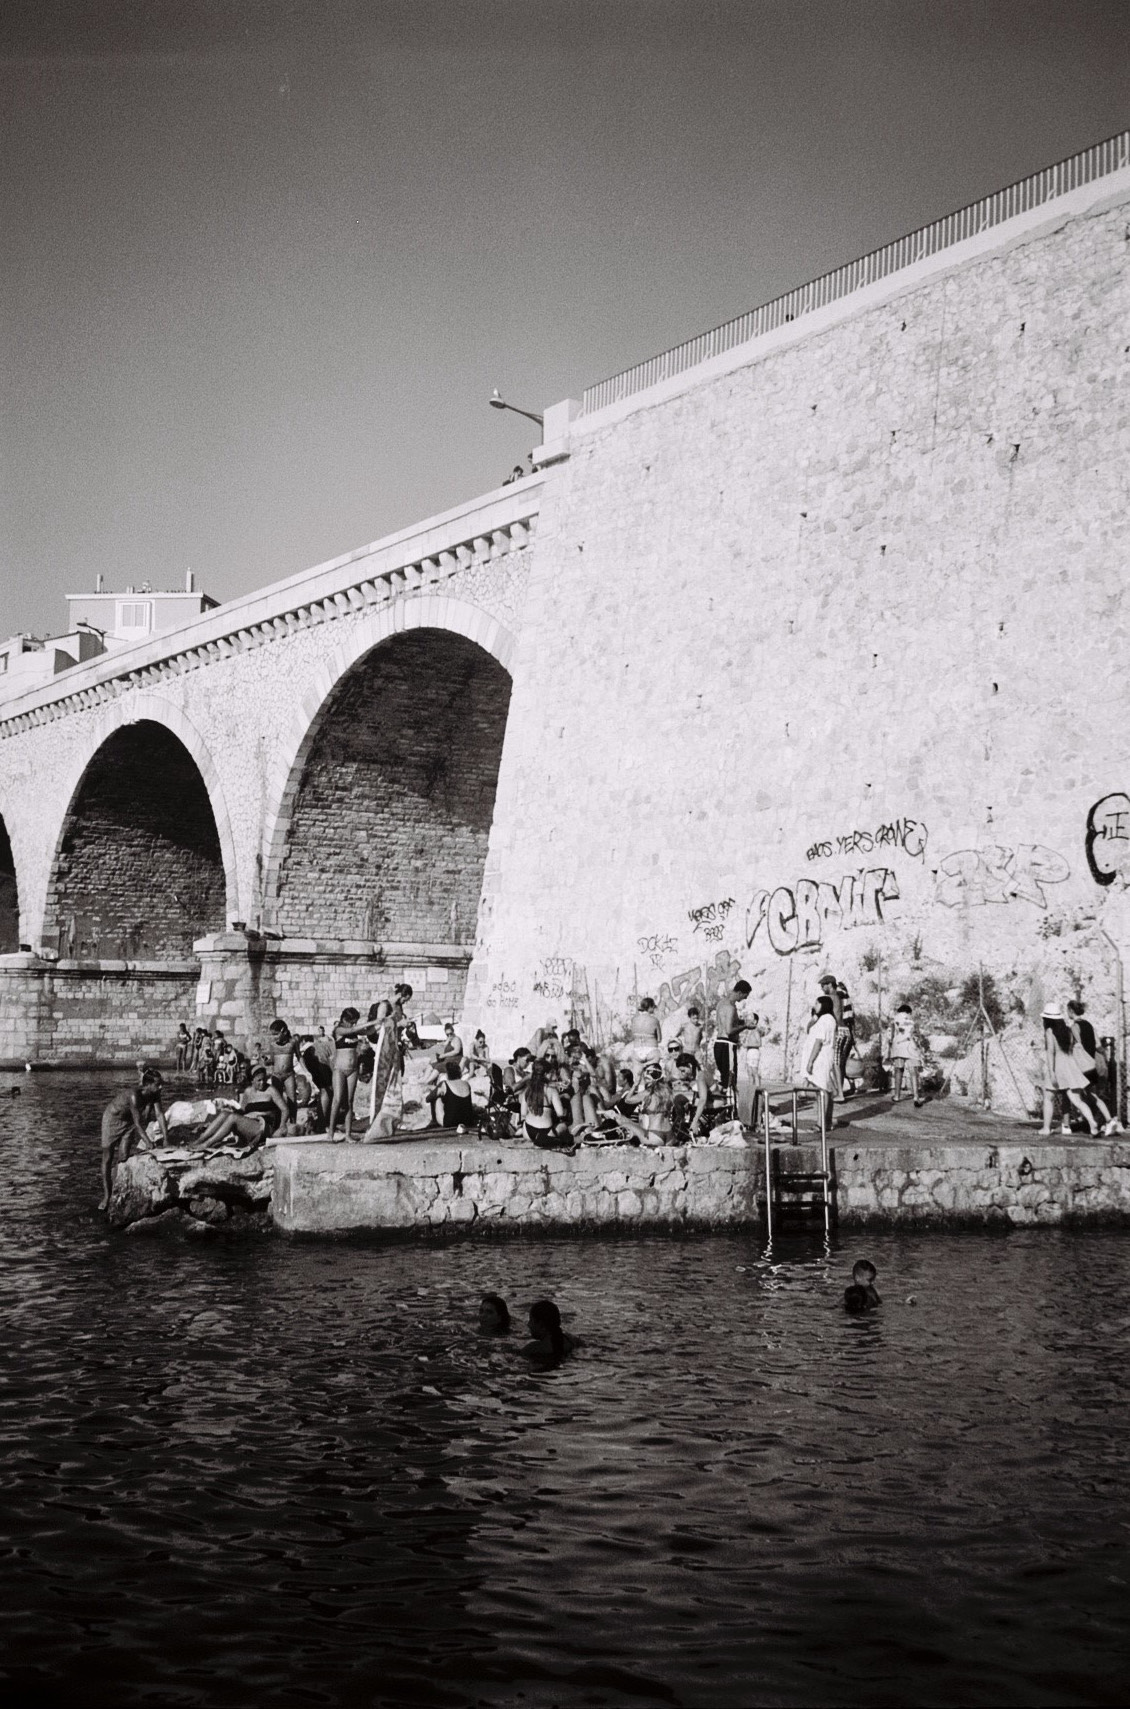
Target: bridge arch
column 9, row 895
column 144, row 861
column 385, row 783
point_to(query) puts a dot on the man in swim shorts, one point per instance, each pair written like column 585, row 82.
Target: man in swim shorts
column 124, row 1121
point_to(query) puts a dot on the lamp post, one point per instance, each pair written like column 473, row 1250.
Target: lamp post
column 497, row 401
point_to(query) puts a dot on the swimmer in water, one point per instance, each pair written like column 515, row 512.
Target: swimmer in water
column 863, row 1276
column 494, row 1315
column 855, row 1300
column 550, row 1344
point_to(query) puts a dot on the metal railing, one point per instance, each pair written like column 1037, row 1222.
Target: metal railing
column 1078, row 169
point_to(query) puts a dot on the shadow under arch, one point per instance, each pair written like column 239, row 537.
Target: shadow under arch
column 389, row 767
column 144, row 861
column 9, row 895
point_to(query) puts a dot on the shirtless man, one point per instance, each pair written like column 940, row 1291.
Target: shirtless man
column 728, row 1028
column 124, row 1120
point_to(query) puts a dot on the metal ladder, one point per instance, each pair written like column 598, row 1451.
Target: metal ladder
column 795, row 1190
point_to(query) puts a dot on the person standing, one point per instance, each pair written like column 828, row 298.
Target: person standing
column 1063, row 1072
column 728, row 1029
column 646, row 1032
column 1087, row 1055
column 903, row 1053
column 820, row 1059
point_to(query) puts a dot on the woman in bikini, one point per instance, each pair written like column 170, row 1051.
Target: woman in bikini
column 543, row 1113
column 283, row 1048
column 347, row 1036
column 262, row 1111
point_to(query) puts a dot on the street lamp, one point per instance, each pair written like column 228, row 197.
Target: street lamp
column 497, row 401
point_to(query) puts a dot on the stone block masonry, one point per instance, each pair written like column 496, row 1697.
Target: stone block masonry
column 72, row 1013
column 800, row 682
column 327, row 1189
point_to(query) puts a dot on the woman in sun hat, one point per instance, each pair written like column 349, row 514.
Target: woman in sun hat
column 1062, row 1073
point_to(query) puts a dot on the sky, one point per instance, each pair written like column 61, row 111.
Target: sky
column 262, row 261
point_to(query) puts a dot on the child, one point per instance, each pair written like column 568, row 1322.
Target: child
column 283, row 1047
column 863, row 1275
column 903, row 1053
column 184, row 1048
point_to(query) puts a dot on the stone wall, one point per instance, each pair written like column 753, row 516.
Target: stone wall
column 840, row 680
column 99, row 1012
column 389, row 831
column 322, row 1189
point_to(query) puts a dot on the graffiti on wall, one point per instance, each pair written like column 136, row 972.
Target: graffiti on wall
column 657, row 946
column 797, row 918
column 503, row 994
column 1108, row 837
column 554, row 978
column 909, row 836
column 699, row 986
column 978, row 877
column 710, row 919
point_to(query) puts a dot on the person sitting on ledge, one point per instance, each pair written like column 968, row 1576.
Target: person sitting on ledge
column 262, row 1111
column 451, row 1103
column 863, row 1275
column 550, row 1344
column 124, row 1120
column 543, row 1113
column 494, row 1315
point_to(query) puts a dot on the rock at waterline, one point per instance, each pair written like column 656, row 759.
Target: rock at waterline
column 180, row 1190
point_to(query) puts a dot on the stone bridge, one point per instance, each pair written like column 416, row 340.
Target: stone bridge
column 285, row 804
column 805, row 645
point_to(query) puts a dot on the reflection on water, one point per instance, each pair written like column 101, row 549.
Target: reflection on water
column 295, row 1474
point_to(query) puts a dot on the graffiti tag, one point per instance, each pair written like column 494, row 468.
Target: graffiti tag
column 908, row 835
column 1108, row 837
column 710, row 919
column 503, row 994
column 798, row 919
column 979, row 877
column 656, row 946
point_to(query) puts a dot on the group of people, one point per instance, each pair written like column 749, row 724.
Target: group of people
column 1076, row 1071
column 548, row 1344
column 559, row 1089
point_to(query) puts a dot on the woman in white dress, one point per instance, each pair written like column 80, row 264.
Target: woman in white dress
column 820, row 1067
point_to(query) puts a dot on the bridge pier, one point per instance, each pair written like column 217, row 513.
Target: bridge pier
column 247, row 979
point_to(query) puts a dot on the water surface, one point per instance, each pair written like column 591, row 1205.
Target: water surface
column 279, row 1473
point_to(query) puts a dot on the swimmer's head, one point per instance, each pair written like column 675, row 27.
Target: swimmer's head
column 864, row 1272
column 855, row 1300
column 545, row 1319
column 493, row 1314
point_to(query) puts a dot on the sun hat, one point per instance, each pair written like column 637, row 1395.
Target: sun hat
column 1051, row 1012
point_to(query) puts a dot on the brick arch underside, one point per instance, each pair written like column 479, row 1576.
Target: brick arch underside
column 139, row 873
column 9, row 896
column 388, row 836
